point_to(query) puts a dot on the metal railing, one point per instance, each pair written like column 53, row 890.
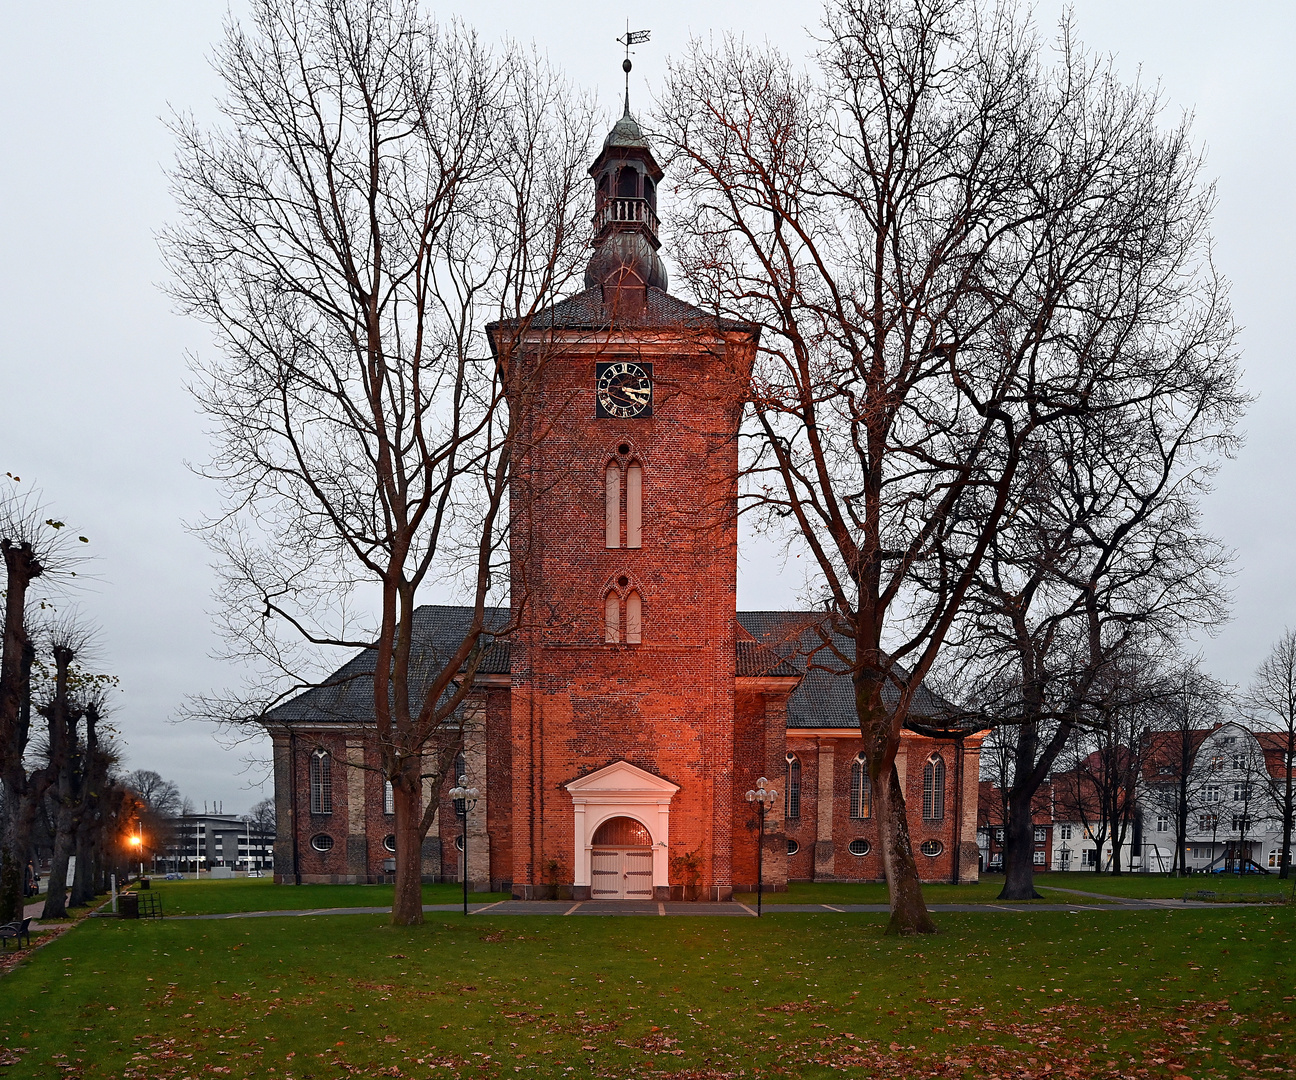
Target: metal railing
column 630, row 211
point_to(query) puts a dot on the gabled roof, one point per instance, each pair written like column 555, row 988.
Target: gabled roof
column 1273, row 744
column 587, row 311
column 346, row 697
column 1162, row 752
column 825, row 697
column 772, row 644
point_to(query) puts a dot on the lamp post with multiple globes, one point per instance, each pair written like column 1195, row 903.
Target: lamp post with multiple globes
column 465, row 798
column 764, row 798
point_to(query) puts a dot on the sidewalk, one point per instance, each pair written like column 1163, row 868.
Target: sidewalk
column 730, row 909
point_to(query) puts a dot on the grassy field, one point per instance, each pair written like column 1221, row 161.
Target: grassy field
column 1197, row 993
column 1050, row 886
column 189, row 897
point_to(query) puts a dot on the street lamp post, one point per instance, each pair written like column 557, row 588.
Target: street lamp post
column 465, row 798
column 137, row 842
column 763, row 798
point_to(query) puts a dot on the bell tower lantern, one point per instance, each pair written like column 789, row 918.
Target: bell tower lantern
column 626, row 175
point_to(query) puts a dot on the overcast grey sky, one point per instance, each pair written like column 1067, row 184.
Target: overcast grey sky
column 92, row 401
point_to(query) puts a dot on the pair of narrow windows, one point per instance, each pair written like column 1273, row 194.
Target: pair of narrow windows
column 624, row 492
column 632, row 605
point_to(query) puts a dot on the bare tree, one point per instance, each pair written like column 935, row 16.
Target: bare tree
column 262, row 816
column 1271, row 700
column 950, row 246
column 1102, row 785
column 1101, row 553
column 35, row 546
column 161, row 795
column 1192, row 704
column 69, row 756
column 383, row 187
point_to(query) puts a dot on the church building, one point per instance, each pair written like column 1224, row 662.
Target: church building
column 614, row 733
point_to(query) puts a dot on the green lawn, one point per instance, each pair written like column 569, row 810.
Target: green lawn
column 1050, row 886
column 189, row 897
column 1156, row 994
column 1162, row 886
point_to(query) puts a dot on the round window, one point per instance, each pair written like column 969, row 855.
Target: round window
column 860, row 847
column 322, row 842
column 932, row 848
column 793, row 847
column 389, row 842
column 459, row 843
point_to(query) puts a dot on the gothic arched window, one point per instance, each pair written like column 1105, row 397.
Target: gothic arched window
column 861, row 799
column 612, row 619
column 613, row 478
column 634, row 505
column 634, row 618
column 934, row 788
column 792, row 798
column 321, row 782
column 612, row 505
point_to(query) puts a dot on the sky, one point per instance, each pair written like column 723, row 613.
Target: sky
column 94, row 409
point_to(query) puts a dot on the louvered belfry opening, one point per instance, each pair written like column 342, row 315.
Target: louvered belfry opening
column 622, row 832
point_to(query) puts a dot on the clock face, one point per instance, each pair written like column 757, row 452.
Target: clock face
column 623, row 389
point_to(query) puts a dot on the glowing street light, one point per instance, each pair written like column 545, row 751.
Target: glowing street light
column 763, row 798
column 137, row 842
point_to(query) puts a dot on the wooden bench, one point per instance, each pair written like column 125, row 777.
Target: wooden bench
column 17, row 930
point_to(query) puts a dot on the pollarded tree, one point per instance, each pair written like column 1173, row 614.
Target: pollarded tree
column 950, row 246
column 35, row 546
column 1271, row 699
column 383, row 187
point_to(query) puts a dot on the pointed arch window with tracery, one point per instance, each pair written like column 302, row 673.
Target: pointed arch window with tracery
column 861, row 798
column 934, row 788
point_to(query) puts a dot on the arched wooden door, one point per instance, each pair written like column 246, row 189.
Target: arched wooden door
column 621, row 861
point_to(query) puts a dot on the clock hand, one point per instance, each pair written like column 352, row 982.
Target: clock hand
column 637, row 394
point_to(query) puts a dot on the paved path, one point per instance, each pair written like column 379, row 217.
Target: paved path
column 731, row 909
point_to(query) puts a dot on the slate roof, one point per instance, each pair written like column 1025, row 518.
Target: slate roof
column 785, row 645
column 586, row 311
column 825, row 697
column 347, row 695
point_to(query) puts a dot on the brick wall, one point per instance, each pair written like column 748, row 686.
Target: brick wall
column 665, row 705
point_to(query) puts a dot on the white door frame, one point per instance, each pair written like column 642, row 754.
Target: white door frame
column 622, row 790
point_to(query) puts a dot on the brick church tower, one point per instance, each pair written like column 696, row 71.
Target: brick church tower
column 623, row 546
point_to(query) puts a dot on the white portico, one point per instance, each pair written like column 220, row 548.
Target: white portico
column 622, row 790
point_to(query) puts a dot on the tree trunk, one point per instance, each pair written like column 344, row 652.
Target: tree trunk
column 1019, row 846
column 19, row 801
column 83, row 877
column 56, row 898
column 909, row 913
column 1288, row 811
column 407, row 897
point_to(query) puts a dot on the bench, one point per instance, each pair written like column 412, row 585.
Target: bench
column 18, row 930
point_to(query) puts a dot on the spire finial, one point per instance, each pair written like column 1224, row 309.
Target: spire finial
column 632, row 37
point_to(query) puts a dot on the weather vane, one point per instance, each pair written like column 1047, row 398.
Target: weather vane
column 632, row 37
